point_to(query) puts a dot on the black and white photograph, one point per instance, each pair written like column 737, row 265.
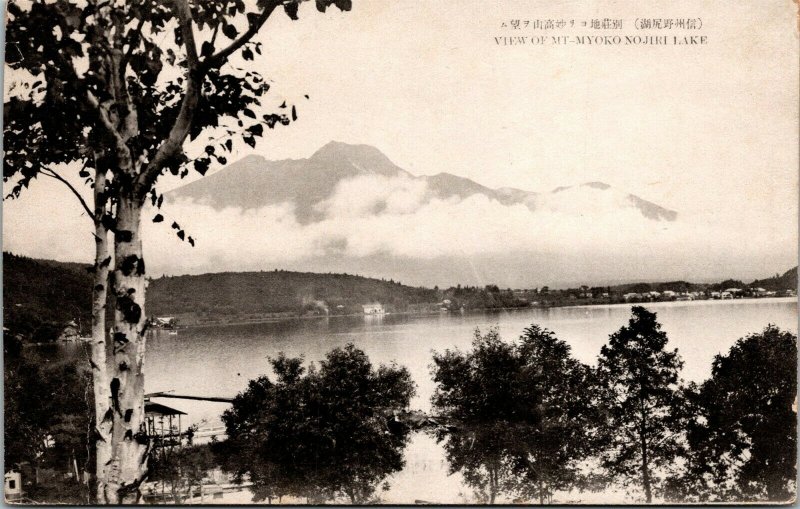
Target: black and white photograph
column 396, row 252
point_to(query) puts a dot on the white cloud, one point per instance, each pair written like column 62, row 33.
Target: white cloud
column 375, row 215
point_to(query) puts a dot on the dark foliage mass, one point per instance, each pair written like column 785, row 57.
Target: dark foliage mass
column 48, row 412
column 320, row 433
column 742, row 436
column 41, row 298
column 529, row 420
column 526, row 414
column 182, row 470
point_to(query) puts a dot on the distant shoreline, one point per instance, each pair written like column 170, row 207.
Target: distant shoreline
column 472, row 311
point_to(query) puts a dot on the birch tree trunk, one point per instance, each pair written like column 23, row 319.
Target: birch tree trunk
column 129, row 442
column 99, row 355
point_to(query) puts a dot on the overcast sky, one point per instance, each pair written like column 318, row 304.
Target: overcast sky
column 704, row 130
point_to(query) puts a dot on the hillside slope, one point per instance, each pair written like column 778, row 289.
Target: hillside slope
column 787, row 280
column 41, row 296
column 253, row 295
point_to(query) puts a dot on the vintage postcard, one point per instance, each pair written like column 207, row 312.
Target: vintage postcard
column 368, row 252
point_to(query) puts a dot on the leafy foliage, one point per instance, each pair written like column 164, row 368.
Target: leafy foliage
column 144, row 88
column 526, row 412
column 48, row 411
column 743, row 434
column 320, row 433
column 646, row 411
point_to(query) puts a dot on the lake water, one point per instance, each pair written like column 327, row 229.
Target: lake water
column 218, row 361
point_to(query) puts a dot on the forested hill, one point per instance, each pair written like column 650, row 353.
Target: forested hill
column 253, row 295
column 787, row 280
column 41, row 296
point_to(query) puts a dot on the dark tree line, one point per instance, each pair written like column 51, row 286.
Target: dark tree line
column 47, row 418
column 532, row 420
column 525, row 420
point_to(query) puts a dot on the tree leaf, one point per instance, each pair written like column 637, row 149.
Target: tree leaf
column 207, row 49
column 291, row 9
column 256, row 129
column 229, row 31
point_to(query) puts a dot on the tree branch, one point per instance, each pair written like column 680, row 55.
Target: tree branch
column 180, row 129
column 52, row 174
column 219, row 58
column 196, row 73
column 133, row 42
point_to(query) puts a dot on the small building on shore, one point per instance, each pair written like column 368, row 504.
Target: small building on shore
column 373, row 309
column 71, row 332
column 12, row 487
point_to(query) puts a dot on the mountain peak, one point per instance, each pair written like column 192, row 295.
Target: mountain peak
column 365, row 159
column 341, row 150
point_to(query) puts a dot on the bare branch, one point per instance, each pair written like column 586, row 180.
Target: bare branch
column 52, row 174
column 214, row 35
column 196, row 73
column 102, row 115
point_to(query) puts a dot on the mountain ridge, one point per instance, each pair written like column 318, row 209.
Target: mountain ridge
column 254, row 181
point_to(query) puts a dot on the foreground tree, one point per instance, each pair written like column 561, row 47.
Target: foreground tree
column 743, row 442
column 47, row 420
column 112, row 90
column 524, row 414
column 182, row 470
column 564, row 433
column 641, row 392
column 319, row 434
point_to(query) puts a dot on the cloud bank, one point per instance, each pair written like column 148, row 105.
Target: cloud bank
column 395, row 228
column 396, row 217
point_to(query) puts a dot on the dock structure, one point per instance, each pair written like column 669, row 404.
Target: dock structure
column 164, row 425
column 184, row 396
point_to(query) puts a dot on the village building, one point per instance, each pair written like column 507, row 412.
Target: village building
column 373, row 309
column 12, row 487
column 70, row 333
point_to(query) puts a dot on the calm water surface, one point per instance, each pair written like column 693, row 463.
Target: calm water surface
column 218, row 361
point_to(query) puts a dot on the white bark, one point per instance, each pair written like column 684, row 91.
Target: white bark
column 129, row 441
column 99, row 362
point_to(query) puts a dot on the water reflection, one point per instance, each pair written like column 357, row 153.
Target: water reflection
column 484, row 456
